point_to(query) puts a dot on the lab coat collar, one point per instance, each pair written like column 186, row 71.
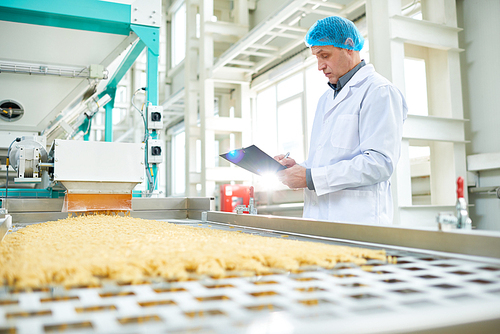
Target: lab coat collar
column 356, row 80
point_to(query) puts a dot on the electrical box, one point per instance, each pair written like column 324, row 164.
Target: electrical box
column 155, row 117
column 155, row 153
column 96, row 72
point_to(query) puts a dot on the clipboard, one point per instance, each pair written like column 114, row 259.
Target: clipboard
column 254, row 160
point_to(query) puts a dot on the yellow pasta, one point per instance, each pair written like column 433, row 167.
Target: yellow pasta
column 84, row 250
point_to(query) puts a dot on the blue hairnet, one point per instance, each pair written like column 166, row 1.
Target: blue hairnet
column 336, row 31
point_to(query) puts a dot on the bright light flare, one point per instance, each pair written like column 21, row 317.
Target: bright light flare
column 270, row 181
column 235, row 156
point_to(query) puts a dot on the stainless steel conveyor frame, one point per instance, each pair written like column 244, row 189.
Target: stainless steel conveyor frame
column 443, row 282
column 477, row 243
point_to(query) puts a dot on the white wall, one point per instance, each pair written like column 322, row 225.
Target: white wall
column 480, row 87
column 263, row 8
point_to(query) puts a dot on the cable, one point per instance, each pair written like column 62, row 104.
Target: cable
column 141, row 112
column 149, row 173
column 91, row 114
column 18, row 139
column 88, row 127
column 152, row 178
column 96, row 102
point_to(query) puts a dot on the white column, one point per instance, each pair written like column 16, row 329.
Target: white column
column 440, row 11
column 190, row 96
column 383, row 50
column 448, row 160
column 442, row 173
column 241, row 12
column 243, row 102
column 387, row 55
column 206, row 89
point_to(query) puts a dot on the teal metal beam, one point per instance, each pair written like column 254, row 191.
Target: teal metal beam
column 32, row 193
column 126, row 63
column 152, row 93
column 149, row 35
column 98, row 16
column 152, row 78
column 89, row 15
column 123, row 68
column 108, row 120
column 152, row 97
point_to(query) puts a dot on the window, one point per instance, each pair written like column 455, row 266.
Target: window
column 179, row 35
column 285, row 113
column 365, row 51
column 119, row 115
column 265, row 129
column 416, row 86
column 290, row 131
column 291, row 86
column 420, row 167
column 316, row 85
column 99, row 116
column 121, row 94
column 143, row 80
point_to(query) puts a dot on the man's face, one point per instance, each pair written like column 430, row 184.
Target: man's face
column 334, row 62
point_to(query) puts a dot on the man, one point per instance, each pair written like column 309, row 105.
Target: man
column 356, row 134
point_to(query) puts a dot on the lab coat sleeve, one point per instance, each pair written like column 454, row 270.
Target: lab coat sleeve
column 381, row 116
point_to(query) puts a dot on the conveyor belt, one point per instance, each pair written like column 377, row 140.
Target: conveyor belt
column 425, row 291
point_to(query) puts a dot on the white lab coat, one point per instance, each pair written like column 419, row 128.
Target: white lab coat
column 355, row 147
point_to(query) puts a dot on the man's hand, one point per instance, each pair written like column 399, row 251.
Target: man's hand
column 293, row 177
column 288, row 162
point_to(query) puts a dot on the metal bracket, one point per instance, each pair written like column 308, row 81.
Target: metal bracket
column 251, row 209
column 462, row 219
column 448, row 221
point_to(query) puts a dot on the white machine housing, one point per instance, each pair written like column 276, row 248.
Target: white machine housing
column 98, row 167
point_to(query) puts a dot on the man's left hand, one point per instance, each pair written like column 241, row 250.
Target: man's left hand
column 293, row 177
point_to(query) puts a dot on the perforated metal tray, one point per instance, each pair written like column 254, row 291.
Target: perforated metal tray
column 425, row 291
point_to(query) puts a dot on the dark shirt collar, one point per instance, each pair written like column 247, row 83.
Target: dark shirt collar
column 345, row 78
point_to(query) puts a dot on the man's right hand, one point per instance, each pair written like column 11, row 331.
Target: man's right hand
column 287, row 162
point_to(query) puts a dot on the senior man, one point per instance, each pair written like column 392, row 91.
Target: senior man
column 356, row 134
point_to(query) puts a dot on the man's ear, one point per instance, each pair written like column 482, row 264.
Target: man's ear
column 350, row 52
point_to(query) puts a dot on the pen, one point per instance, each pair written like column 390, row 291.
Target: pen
column 286, row 155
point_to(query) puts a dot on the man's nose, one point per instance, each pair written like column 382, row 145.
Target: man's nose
column 321, row 65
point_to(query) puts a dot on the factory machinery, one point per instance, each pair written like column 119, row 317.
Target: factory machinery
column 66, row 61
column 70, row 60
column 443, row 282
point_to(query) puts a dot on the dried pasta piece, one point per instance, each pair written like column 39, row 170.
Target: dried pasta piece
column 83, row 250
